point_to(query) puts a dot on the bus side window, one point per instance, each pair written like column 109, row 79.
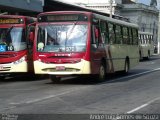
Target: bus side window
column 141, row 39
column 135, row 36
column 131, row 36
column 150, row 39
column 98, row 35
column 96, row 31
column 125, row 35
column 144, row 39
column 118, row 32
column 104, row 32
column 95, row 35
column 111, row 33
column 107, row 34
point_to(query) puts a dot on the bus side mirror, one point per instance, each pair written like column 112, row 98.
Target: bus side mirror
column 96, row 33
column 31, row 36
column 31, row 31
column 97, row 36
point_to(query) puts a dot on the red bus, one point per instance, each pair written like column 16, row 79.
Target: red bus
column 14, row 46
column 83, row 43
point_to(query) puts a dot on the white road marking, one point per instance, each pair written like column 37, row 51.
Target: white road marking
column 152, row 62
column 130, row 76
column 142, row 106
column 41, row 99
column 136, row 109
column 8, row 108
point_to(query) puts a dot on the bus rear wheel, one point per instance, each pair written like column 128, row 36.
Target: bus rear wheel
column 126, row 67
column 102, row 73
column 55, row 79
column 148, row 55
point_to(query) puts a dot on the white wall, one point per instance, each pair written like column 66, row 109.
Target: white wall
column 91, row 1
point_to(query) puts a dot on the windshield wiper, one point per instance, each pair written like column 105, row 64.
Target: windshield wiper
column 71, row 31
column 9, row 29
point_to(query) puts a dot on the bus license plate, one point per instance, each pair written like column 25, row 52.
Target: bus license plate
column 60, row 68
column 1, row 68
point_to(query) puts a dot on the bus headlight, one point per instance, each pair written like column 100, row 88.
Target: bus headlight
column 20, row 60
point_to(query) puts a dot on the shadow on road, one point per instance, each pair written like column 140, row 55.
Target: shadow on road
column 130, row 76
column 111, row 78
column 80, row 80
column 21, row 77
column 152, row 58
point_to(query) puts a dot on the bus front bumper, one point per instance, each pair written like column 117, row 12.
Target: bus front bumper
column 14, row 68
column 82, row 67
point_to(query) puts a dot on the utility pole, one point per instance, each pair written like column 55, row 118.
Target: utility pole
column 111, row 2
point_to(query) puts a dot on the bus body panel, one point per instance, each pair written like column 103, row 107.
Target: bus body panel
column 134, row 56
column 116, row 60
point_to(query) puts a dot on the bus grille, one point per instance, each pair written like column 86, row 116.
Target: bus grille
column 5, row 69
column 7, row 55
column 66, row 70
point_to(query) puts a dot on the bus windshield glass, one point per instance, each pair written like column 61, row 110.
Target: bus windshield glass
column 62, row 38
column 12, row 39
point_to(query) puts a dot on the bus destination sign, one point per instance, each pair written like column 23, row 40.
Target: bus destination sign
column 10, row 20
column 64, row 17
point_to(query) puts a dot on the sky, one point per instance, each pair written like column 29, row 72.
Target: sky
column 147, row 2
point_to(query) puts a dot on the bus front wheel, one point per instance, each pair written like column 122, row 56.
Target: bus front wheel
column 55, row 79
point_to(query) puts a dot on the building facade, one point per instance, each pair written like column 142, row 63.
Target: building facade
column 22, row 7
column 145, row 16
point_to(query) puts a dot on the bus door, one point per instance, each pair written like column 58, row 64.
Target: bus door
column 97, row 49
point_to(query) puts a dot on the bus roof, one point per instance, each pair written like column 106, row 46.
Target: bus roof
column 120, row 22
column 15, row 16
column 145, row 33
column 112, row 20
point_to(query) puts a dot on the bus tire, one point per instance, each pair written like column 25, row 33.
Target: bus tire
column 126, row 67
column 55, row 79
column 148, row 55
column 102, row 73
column 140, row 56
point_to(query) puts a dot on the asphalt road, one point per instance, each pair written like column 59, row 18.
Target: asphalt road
column 136, row 93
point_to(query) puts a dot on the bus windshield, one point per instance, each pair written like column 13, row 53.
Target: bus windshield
column 62, row 38
column 12, row 39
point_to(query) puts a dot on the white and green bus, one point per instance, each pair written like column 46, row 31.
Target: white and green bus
column 146, row 45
